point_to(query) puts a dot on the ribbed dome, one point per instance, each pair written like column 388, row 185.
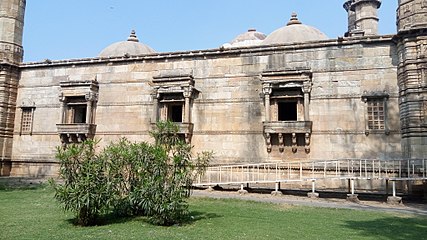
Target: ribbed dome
column 294, row 32
column 130, row 47
column 249, row 38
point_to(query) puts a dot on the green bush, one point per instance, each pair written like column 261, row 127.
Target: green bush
column 130, row 178
column 85, row 190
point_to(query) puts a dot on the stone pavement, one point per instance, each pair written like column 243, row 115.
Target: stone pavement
column 406, row 208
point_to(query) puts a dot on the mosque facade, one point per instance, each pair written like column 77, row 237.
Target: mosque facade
column 294, row 94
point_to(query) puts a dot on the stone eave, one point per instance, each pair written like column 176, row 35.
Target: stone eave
column 212, row 53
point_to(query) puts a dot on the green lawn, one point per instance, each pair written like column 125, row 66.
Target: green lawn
column 34, row 214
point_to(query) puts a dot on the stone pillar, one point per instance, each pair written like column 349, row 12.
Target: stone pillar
column 307, row 90
column 89, row 112
column 267, row 90
column 155, row 116
column 62, row 108
column 366, row 15
column 187, row 108
column 351, row 16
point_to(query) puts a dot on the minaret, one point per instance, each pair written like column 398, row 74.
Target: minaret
column 412, row 76
column 351, row 16
column 362, row 17
column 11, row 54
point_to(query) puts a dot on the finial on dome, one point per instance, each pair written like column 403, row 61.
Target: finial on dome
column 132, row 37
column 294, row 19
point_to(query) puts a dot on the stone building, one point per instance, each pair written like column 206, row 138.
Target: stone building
column 292, row 95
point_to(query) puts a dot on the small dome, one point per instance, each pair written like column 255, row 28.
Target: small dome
column 249, row 38
column 294, row 32
column 130, row 47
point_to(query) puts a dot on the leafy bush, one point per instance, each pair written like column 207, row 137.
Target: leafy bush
column 85, row 190
column 130, row 178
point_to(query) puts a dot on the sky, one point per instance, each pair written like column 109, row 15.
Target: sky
column 69, row 29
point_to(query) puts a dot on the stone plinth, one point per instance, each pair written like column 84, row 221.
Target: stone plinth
column 353, row 198
column 242, row 192
column 394, row 200
column 313, row 195
column 276, row 193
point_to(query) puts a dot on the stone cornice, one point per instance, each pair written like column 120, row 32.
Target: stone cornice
column 212, row 53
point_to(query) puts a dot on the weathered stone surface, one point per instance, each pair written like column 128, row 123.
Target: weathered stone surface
column 394, row 200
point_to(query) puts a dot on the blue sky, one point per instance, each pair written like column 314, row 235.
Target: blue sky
column 59, row 29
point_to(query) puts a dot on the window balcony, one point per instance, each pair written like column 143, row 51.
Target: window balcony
column 75, row 132
column 184, row 129
column 288, row 127
column 295, row 129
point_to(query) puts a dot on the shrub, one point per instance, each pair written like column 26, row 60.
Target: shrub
column 130, row 178
column 85, row 190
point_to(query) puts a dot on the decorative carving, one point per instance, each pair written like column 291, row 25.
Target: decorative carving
column 188, row 91
column 294, row 142
column 27, row 103
column 307, row 86
column 422, row 49
column 91, row 97
column 307, row 142
column 425, row 111
column 61, row 97
column 281, row 143
column 268, row 142
column 267, row 89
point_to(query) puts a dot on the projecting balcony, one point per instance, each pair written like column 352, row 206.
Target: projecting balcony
column 184, row 129
column 288, row 127
column 75, row 132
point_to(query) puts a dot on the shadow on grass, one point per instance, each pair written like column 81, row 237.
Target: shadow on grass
column 111, row 219
column 395, row 228
column 10, row 188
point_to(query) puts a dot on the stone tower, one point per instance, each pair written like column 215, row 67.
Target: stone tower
column 362, row 17
column 412, row 76
column 11, row 54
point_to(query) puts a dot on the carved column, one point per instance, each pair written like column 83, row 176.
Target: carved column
column 155, row 116
column 267, row 90
column 188, row 91
column 62, row 108
column 307, row 89
column 91, row 98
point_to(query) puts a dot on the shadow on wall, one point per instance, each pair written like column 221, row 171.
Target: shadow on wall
column 390, row 228
column 5, row 168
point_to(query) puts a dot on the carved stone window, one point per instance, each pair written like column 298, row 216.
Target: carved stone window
column 77, row 113
column 287, row 102
column 172, row 101
column 27, row 117
column 376, row 112
column 27, row 120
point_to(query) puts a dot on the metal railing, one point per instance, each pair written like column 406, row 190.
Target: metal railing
column 395, row 170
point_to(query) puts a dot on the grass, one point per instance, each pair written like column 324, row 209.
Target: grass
column 34, row 214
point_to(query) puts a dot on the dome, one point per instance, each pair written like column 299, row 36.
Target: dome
column 130, row 47
column 249, row 38
column 294, row 32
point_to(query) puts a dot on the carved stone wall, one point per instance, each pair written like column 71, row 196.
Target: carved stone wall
column 412, row 78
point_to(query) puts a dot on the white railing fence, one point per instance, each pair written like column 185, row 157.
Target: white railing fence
column 395, row 170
